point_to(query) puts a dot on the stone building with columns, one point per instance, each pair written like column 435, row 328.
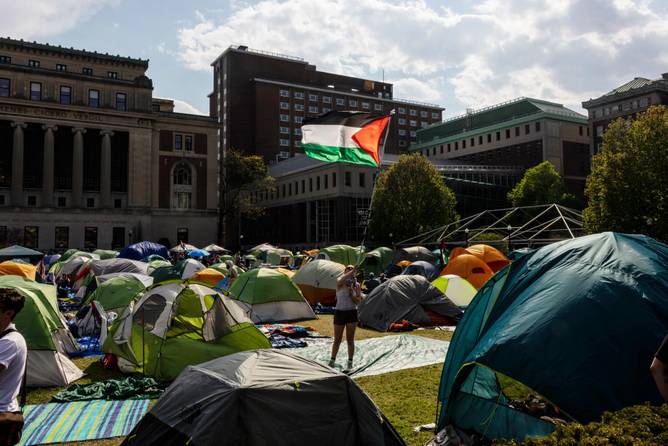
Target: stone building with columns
column 89, row 159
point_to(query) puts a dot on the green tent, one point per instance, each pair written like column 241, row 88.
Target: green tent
column 152, row 257
column 577, row 322
column 174, row 325
column 278, row 256
column 117, row 292
column 343, row 254
column 155, row 264
column 377, row 260
column 270, row 296
column 46, row 334
column 183, row 269
column 106, row 253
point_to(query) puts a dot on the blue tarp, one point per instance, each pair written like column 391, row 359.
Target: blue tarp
column 140, row 250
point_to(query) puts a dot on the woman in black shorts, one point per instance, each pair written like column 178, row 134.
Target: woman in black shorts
column 348, row 295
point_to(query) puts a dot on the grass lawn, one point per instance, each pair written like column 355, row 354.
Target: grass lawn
column 407, row 397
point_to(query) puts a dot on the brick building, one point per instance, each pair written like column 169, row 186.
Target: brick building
column 89, row 159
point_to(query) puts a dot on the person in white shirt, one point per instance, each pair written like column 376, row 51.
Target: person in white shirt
column 348, row 296
column 13, row 353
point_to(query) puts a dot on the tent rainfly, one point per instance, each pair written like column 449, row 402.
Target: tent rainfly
column 317, row 281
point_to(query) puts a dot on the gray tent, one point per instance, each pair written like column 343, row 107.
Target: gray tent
column 413, row 254
column 17, row 252
column 118, row 265
column 262, row 397
column 406, row 297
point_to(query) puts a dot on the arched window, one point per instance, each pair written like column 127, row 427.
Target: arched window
column 182, row 186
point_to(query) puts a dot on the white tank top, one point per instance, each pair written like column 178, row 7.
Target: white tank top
column 343, row 300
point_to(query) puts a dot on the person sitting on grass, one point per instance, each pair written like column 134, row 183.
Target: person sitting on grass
column 348, row 295
column 659, row 369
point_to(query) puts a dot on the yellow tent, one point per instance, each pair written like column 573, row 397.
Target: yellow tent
column 9, row 268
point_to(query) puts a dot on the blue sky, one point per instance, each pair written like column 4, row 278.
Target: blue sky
column 464, row 54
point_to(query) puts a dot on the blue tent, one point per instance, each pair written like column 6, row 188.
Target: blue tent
column 577, row 322
column 140, row 250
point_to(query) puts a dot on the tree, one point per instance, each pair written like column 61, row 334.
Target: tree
column 628, row 186
column 410, row 198
column 540, row 184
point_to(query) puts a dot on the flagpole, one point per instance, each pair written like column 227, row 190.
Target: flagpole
column 375, row 179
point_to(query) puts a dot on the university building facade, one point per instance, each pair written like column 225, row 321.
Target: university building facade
column 89, row 159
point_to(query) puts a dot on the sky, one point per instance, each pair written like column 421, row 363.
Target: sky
column 458, row 54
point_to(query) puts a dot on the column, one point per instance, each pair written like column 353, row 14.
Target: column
column 48, row 169
column 77, row 167
column 105, row 169
column 17, row 164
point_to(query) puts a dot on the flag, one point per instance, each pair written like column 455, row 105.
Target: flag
column 341, row 136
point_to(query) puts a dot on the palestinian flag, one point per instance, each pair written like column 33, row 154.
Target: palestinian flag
column 349, row 137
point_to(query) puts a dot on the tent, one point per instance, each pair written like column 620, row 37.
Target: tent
column 495, row 259
column 264, row 397
column 422, row 268
column 17, row 252
column 411, row 298
column 259, row 249
column 270, row 296
column 210, row 276
column 117, row 265
column 183, row 269
column 106, row 253
column 278, row 256
column 286, row 271
column 470, row 268
column 71, row 263
column 185, row 247
column 46, row 334
column 178, row 324
column 116, row 292
column 376, row 261
column 215, row 249
column 413, row 254
column 458, row 290
column 553, row 321
column 8, row 268
column 343, row 254
column 317, row 281
column 141, row 250
column 516, row 254
column 155, row 264
column 198, row 253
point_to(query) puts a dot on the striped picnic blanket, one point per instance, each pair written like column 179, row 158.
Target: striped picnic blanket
column 80, row 420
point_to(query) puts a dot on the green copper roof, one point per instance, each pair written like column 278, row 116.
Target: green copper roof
column 631, row 85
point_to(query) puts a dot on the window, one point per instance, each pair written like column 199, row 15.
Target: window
column 423, row 114
column 480, row 140
column 402, row 121
column 299, row 119
column 290, row 190
column 62, row 202
column 362, row 179
column 284, row 106
column 121, row 101
column 178, row 141
column 299, row 107
column 449, row 147
column 285, row 130
column 402, row 143
column 580, row 131
column 283, row 194
column 303, row 186
column 456, row 145
column 433, row 151
column 284, row 142
column 285, row 93
column 489, row 137
column 498, row 136
column 32, row 200
column 402, row 111
column 298, row 131
column 31, row 236
column 285, row 118
column 326, row 177
column 33, row 63
column 435, row 115
column 90, row 202
column 599, row 130
column 313, row 97
column 527, row 129
column 182, row 183
column 90, row 237
column 413, row 133
column 378, row 107
column 347, row 179
column 326, row 110
column 312, row 109
column 619, row 107
column 310, row 184
column 5, row 87
column 423, row 124
column 327, row 99
column 87, row 71
column 112, row 74
column 297, row 143
column 5, row 59
column 517, row 131
column 366, row 105
column 317, row 183
column 188, row 142
column 463, row 144
column 62, row 237
column 299, row 95
column 472, row 142
column 412, row 112
column 118, row 203
column 340, row 101
column 35, row 91
column 538, row 126
column 65, row 94
column 352, row 103
column 117, row 237
column 333, row 179
column 402, row 132
column 61, row 67
column 93, row 98
column 413, row 123
column 507, row 133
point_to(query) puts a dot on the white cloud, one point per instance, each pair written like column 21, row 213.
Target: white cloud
column 565, row 51
column 44, row 18
column 184, row 107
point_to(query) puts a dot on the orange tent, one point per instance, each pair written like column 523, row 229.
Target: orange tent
column 209, row 276
column 468, row 267
column 404, row 263
column 494, row 258
column 9, row 268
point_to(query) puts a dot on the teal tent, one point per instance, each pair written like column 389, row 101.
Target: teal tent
column 376, row 261
column 577, row 322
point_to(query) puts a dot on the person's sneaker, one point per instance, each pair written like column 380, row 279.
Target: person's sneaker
column 332, row 363
column 349, row 366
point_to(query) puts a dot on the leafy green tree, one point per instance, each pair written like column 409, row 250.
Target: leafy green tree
column 628, row 186
column 410, row 198
column 540, row 184
column 243, row 174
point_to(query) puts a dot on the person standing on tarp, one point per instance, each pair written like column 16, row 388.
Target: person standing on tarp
column 348, row 296
column 13, row 353
column 659, row 369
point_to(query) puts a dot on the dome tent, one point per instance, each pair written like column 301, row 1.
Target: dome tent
column 422, row 268
column 405, row 297
column 317, row 281
column 264, row 397
column 26, row 270
column 141, row 250
column 47, row 336
column 270, row 296
column 495, row 259
column 458, row 290
column 375, row 261
column 183, row 269
column 174, row 325
column 343, row 254
column 470, row 268
column 564, row 310
column 413, row 254
column 115, row 291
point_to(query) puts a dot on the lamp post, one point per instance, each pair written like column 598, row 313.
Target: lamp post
column 391, row 239
column 510, row 236
column 466, row 234
column 241, row 240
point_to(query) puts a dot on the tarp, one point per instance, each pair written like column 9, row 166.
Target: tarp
column 264, row 397
column 317, row 281
column 128, row 388
column 553, row 321
column 140, row 250
column 384, row 354
column 405, row 297
column 15, row 251
column 343, row 254
column 8, row 268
